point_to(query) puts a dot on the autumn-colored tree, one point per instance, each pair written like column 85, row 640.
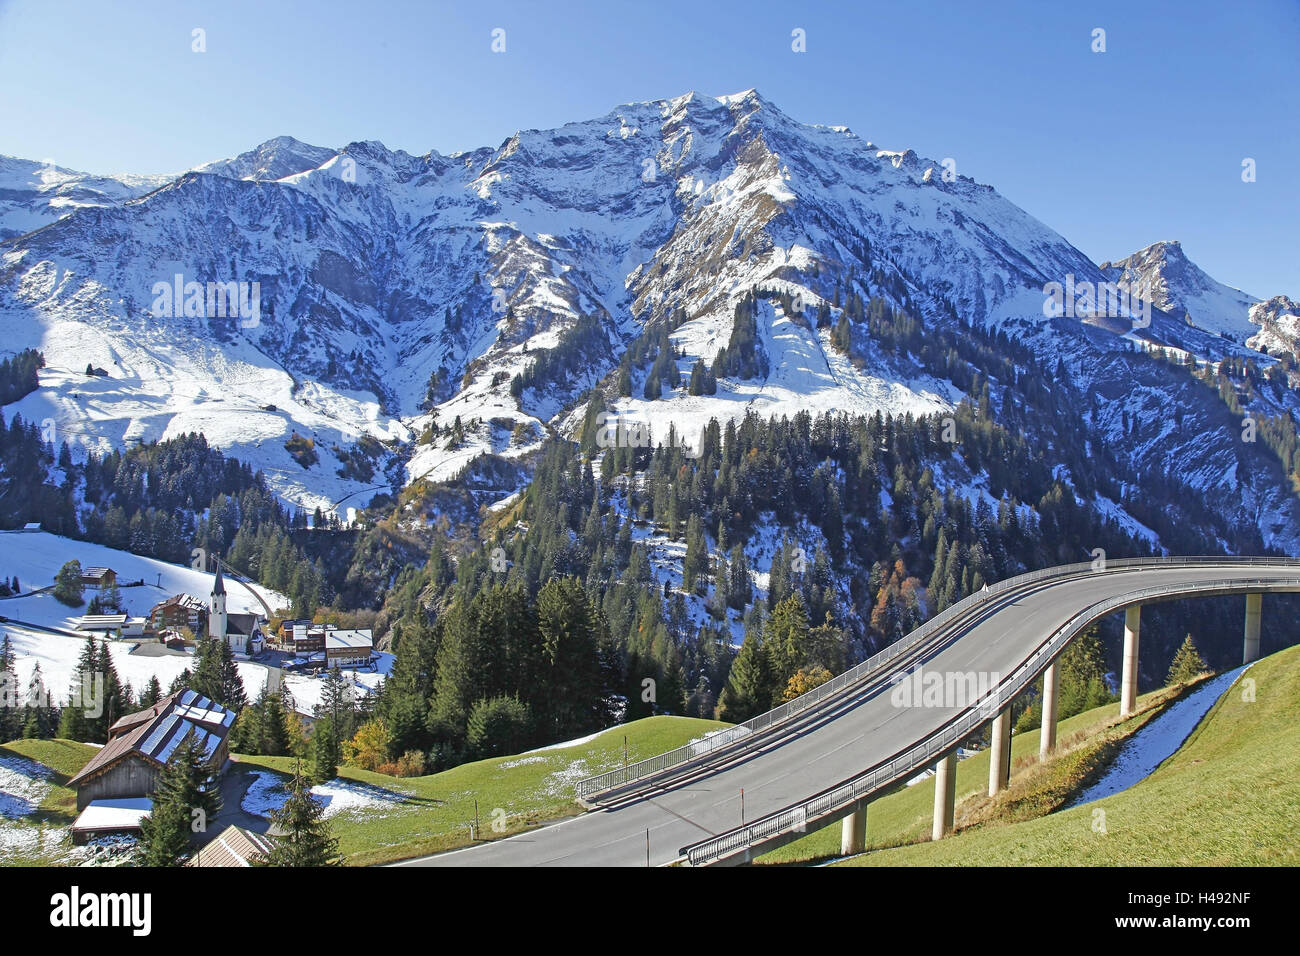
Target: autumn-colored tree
column 803, row 681
column 368, row 747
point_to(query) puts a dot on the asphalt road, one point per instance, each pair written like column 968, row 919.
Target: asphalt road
column 865, row 729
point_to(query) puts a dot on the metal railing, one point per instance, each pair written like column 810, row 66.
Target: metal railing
column 740, row 735
column 796, row 819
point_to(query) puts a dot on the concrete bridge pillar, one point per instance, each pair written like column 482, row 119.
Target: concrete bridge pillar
column 1000, row 753
column 1128, row 685
column 853, row 832
column 945, row 796
column 1051, row 694
column 1254, row 605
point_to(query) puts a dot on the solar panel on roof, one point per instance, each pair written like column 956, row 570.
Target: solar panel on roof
column 183, row 731
column 187, row 696
column 152, row 742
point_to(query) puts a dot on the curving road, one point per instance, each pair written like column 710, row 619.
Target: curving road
column 860, row 727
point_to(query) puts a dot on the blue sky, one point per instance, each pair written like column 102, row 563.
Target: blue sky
column 1114, row 150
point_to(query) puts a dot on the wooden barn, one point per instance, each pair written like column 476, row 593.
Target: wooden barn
column 140, row 744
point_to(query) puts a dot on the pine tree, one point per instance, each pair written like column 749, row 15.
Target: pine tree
column 11, row 714
column 305, row 838
column 325, row 750
column 151, row 694
column 749, row 685
column 696, row 554
column 185, row 801
column 1083, row 675
column 74, row 724
column 273, row 732
column 1187, row 664
column 785, row 635
column 568, row 627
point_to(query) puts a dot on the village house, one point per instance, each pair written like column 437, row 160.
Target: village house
column 120, row 625
column 348, row 647
column 141, row 744
column 98, row 578
column 302, row 637
column 179, row 611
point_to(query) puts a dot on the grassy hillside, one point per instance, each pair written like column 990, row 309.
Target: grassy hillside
column 1229, row 797
column 40, row 837
column 513, row 792
column 905, row 814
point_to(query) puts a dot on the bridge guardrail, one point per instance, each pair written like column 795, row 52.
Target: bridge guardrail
column 643, row 770
column 797, row 817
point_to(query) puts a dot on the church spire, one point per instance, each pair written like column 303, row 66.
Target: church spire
column 219, row 587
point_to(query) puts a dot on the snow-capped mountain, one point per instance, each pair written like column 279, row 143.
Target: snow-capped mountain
column 395, row 292
column 1178, row 286
column 1181, row 288
column 35, row 194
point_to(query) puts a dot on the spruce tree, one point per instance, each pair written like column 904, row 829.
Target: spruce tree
column 74, row 724
column 749, row 685
column 325, row 751
column 1187, row 664
column 186, row 801
column 304, row 833
column 11, row 714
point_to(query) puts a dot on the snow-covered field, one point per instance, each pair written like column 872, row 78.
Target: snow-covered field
column 267, row 794
column 23, row 785
column 1159, row 740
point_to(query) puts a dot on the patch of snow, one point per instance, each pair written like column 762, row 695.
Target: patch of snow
column 1159, row 739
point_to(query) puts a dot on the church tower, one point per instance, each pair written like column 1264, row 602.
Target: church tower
column 217, row 607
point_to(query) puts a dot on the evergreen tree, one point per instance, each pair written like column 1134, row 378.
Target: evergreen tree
column 216, row 675
column 499, row 725
column 570, row 639
column 185, row 801
column 1187, row 664
column 151, row 694
column 749, row 685
column 785, row 636
column 1083, row 675
column 74, row 724
column 305, row 838
column 67, row 584
column 325, row 750
column 11, row 712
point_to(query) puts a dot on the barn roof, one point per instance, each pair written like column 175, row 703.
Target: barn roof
column 122, row 814
column 155, row 733
column 234, row 846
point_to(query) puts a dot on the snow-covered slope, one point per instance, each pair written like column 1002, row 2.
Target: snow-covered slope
column 1278, row 321
column 36, row 559
column 35, row 194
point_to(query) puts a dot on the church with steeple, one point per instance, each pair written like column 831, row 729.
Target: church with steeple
column 240, row 631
